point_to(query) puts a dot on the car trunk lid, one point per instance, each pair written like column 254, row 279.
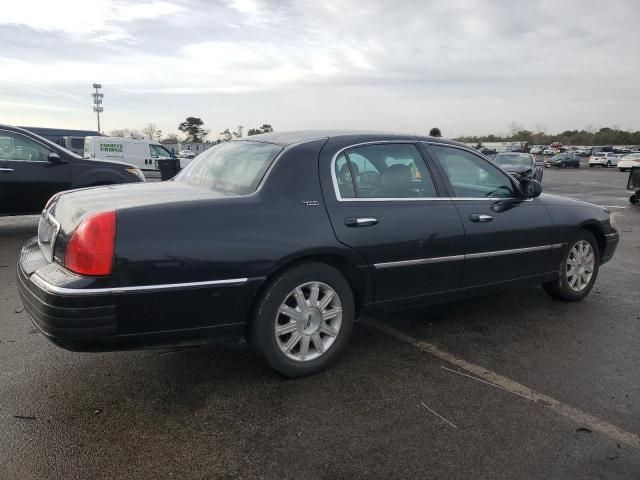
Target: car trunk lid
column 65, row 211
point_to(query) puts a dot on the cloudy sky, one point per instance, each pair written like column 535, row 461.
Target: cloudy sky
column 467, row 66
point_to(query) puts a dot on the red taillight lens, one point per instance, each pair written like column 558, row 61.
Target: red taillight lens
column 90, row 250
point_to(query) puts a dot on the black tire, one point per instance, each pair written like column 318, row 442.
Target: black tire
column 590, row 166
column 633, row 199
column 562, row 165
column 560, row 288
column 261, row 332
column 608, row 164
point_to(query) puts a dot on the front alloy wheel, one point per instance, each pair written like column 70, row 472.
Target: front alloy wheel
column 580, row 266
column 578, row 269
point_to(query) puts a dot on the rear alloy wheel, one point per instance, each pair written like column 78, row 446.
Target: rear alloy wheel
column 578, row 269
column 608, row 164
column 303, row 320
column 308, row 321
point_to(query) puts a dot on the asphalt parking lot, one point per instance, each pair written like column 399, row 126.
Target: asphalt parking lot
column 513, row 385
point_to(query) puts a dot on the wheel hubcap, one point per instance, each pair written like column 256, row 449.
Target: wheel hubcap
column 308, row 321
column 580, row 266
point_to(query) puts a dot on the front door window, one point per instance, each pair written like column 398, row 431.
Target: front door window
column 472, row 176
column 15, row 146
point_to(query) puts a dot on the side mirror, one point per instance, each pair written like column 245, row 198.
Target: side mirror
column 530, row 188
column 53, row 157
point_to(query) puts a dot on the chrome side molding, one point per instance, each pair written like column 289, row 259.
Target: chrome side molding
column 468, row 256
column 48, row 287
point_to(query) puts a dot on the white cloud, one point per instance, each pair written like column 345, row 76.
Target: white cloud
column 249, row 7
column 82, row 17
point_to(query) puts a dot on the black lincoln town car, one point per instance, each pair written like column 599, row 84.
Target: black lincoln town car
column 32, row 169
column 287, row 238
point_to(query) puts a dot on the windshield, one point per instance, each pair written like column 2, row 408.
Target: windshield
column 599, row 155
column 235, row 167
column 158, row 151
column 513, row 159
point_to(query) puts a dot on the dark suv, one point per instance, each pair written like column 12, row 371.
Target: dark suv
column 32, row 169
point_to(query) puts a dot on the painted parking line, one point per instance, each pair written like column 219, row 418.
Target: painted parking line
column 487, row 376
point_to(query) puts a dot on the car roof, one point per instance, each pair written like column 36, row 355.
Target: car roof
column 15, row 129
column 304, row 136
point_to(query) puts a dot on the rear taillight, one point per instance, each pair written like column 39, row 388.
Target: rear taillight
column 90, row 249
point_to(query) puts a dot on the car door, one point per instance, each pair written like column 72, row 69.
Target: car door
column 506, row 236
column 27, row 177
column 384, row 201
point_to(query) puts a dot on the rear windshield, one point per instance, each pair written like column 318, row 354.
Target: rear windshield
column 235, row 167
column 599, row 155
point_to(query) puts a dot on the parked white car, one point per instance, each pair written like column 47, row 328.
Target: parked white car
column 603, row 159
column 584, row 151
column 185, row 157
column 628, row 161
column 550, row 151
column 140, row 152
column 537, row 149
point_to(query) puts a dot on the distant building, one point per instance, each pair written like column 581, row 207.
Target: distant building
column 176, row 147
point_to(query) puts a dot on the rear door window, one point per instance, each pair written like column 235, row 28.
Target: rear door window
column 383, row 171
column 77, row 143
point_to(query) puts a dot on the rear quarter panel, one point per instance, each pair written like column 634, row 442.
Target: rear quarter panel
column 237, row 237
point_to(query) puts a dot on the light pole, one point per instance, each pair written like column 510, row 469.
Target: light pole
column 97, row 102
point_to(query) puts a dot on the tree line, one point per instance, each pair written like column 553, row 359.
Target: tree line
column 587, row 136
column 193, row 130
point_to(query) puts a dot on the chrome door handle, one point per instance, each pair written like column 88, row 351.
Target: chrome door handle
column 480, row 217
column 6, row 170
column 360, row 221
